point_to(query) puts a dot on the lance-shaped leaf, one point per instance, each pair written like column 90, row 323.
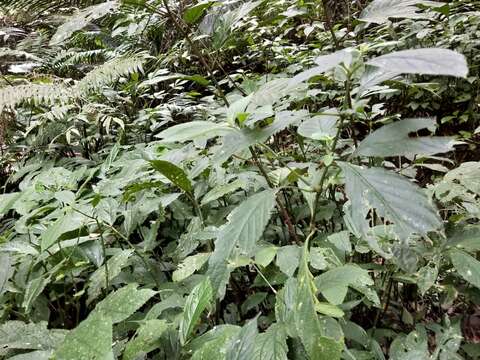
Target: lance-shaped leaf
column 431, row 61
column 242, row 347
column 189, row 265
column 394, row 140
column 124, row 302
column 197, row 301
column 194, row 130
column 393, row 197
column 246, row 224
column 69, row 221
column 309, row 329
column 145, row 340
column 380, row 11
column 324, row 64
column 467, row 266
column 272, row 344
column 173, row 173
column 92, row 339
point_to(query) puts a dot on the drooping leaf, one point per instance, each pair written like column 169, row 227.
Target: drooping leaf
column 6, row 271
column 272, row 344
column 122, row 303
column 194, row 130
column 246, row 224
column 333, row 284
column 196, row 303
column 391, row 195
column 222, row 190
column 70, row 221
column 189, row 266
column 467, row 266
column 17, row 335
column 394, row 140
column 173, row 173
column 146, row 339
column 309, row 329
column 242, row 347
column 92, row 340
column 430, row 61
column 324, row 64
column 98, row 279
column 34, row 288
column 81, row 19
column 380, row 11
column 319, row 127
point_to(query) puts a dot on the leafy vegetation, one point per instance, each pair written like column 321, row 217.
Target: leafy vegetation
column 276, row 179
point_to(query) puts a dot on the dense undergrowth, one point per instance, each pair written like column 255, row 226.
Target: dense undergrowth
column 276, row 179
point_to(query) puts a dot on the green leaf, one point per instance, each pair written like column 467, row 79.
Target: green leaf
column 246, row 224
column 334, row 283
column 194, row 130
column 173, row 173
column 192, row 14
column 272, row 344
column 391, row 195
column 311, row 333
column 33, row 289
column 427, row 276
column 380, row 11
column 7, row 201
column 145, row 340
column 242, row 347
column 6, row 271
column 189, row 265
column 92, row 340
column 70, row 221
column 394, row 140
column 222, row 190
column 17, row 335
column 81, row 19
column 431, row 61
column 319, row 127
column 325, row 63
column 122, row 303
column 467, row 266
column 213, row 344
column 98, row 278
column 288, row 258
column 197, row 301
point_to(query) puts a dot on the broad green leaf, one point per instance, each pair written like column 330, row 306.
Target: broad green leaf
column 380, row 11
column 242, row 139
column 333, row 284
column 70, row 221
column 145, row 340
column 245, row 225
column 272, row 344
column 394, row 140
column 17, row 335
column 329, row 310
column 426, row 278
column 213, row 345
column 467, row 237
column 467, row 266
column 391, row 195
column 6, row 271
column 34, row 288
column 324, row 64
column 173, row 173
column 189, row 265
column 319, row 127
column 98, row 279
column 200, row 297
column 34, row 355
column 309, row 329
column 288, row 258
column 194, row 130
column 81, row 19
column 219, row 191
column 431, row 61
column 92, row 340
column 195, row 12
column 242, row 347
column 7, row 201
column 265, row 255
column 467, row 174
column 122, row 303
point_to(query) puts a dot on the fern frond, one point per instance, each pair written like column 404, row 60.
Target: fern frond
column 81, row 19
column 111, row 71
column 12, row 96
